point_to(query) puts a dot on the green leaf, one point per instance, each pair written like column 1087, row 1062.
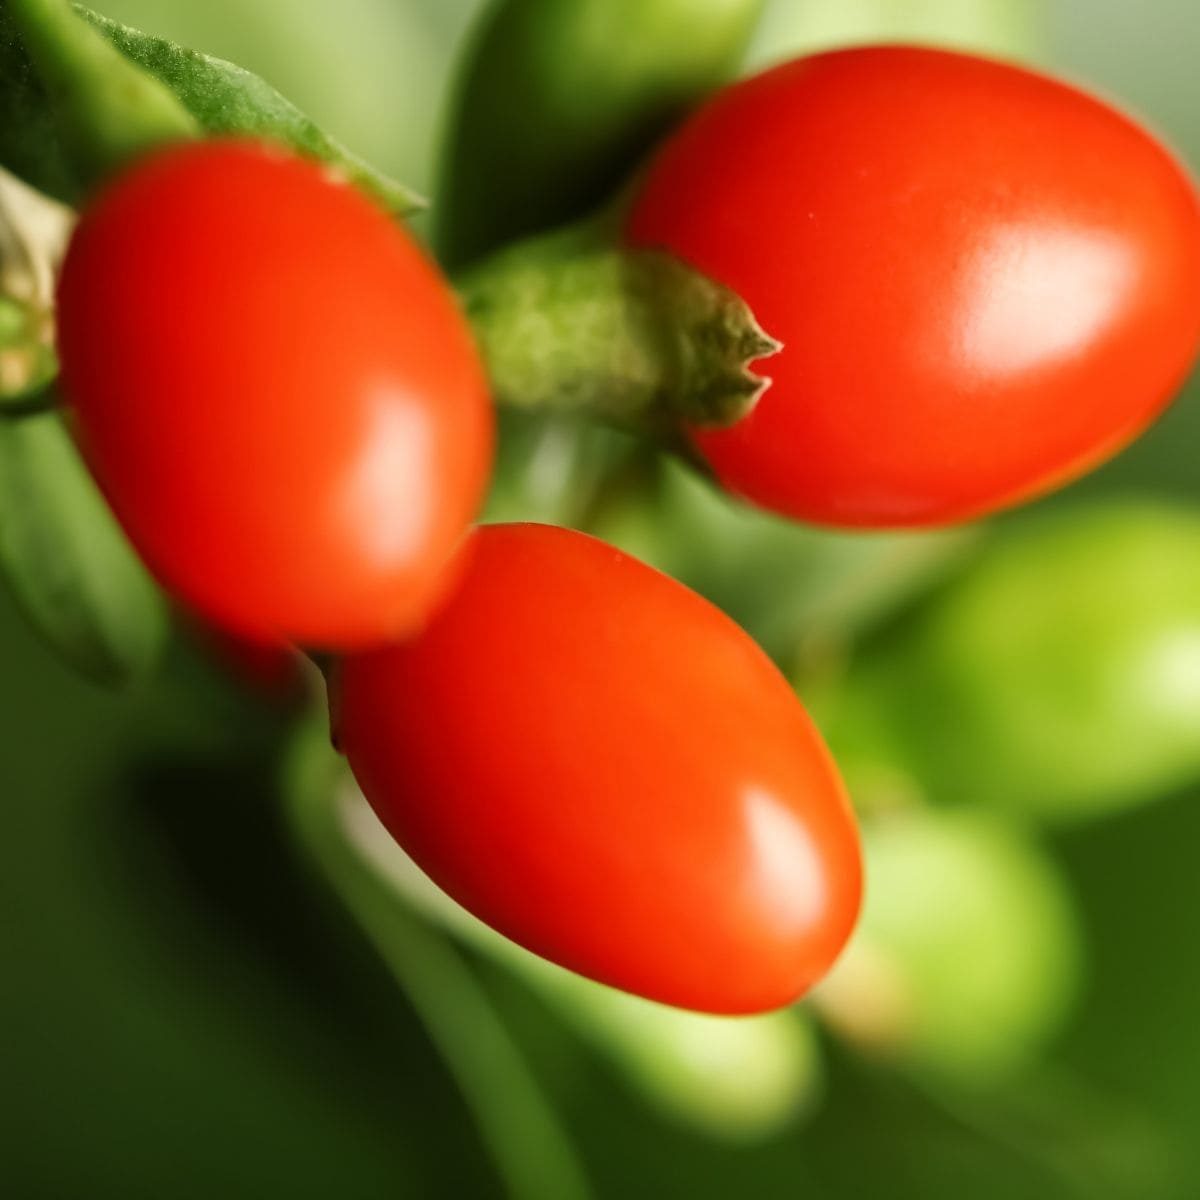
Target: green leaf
column 105, row 110
column 224, row 99
column 29, row 139
column 1011, row 28
column 556, row 103
column 67, row 561
column 1057, row 676
column 967, row 956
column 227, row 99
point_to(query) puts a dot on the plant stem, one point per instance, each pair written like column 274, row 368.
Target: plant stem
column 528, row 1146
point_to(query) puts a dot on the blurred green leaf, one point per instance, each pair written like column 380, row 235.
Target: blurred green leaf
column 67, row 561
column 549, row 467
column 29, row 133
column 1059, row 676
column 106, row 110
column 223, row 98
column 557, row 100
column 966, row 959
column 228, row 100
column 797, row 589
column 791, row 27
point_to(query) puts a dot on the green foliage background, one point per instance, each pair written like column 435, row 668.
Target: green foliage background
column 183, row 1015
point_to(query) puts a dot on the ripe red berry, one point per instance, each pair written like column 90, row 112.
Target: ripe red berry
column 275, row 391
column 985, row 282
column 603, row 766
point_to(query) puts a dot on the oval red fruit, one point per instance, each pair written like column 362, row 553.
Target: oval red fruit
column 603, row 766
column 985, row 281
column 276, row 392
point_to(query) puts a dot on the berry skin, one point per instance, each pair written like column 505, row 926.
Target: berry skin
column 985, row 282
column 276, row 392
column 604, row 767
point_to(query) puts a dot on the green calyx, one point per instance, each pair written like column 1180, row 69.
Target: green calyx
column 572, row 322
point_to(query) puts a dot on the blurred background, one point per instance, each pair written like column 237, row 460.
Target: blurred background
column 211, row 986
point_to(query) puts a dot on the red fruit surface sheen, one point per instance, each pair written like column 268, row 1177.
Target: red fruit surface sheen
column 603, row 766
column 276, row 392
column 985, row 282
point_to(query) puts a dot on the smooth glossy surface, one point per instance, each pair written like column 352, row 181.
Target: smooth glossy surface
column 276, row 392
column 985, row 282
column 601, row 765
